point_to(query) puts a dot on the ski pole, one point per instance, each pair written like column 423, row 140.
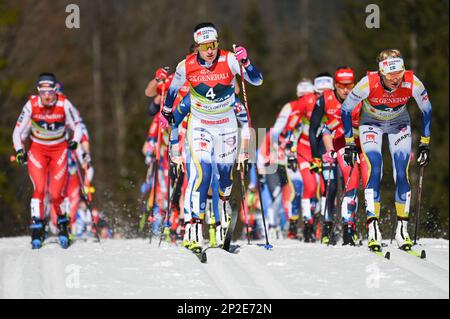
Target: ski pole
column 327, row 192
column 341, row 199
column 244, row 91
column 419, row 195
column 243, row 204
column 142, row 202
column 85, row 197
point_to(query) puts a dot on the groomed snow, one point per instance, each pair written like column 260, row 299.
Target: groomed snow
column 134, row 269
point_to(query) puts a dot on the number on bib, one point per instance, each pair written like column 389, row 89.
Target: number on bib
column 210, row 94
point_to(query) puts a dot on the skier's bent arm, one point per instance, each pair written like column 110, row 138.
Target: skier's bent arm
column 178, row 81
column 251, row 74
column 280, row 122
column 21, row 126
column 316, row 118
column 360, row 92
column 73, row 120
column 423, row 102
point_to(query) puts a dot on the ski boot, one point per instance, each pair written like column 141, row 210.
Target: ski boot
column 292, row 231
column 308, row 232
column 196, row 235
column 63, row 235
column 401, row 235
column 349, row 234
column 326, row 233
column 187, row 235
column 374, row 236
column 37, row 233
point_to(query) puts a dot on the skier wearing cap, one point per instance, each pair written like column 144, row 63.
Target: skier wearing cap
column 212, row 129
column 333, row 139
column 324, row 87
column 292, row 125
column 298, row 151
column 384, row 95
column 49, row 114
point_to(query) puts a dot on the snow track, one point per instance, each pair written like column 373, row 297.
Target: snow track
column 134, row 269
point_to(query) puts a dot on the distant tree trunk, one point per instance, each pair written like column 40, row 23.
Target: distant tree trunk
column 98, row 131
column 119, row 106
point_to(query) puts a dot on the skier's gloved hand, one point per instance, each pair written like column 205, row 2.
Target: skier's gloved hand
column 149, row 158
column 241, row 55
column 243, row 162
column 316, row 165
column 162, row 74
column 73, row 145
column 166, row 111
column 292, row 162
column 87, row 158
column 329, row 157
column 350, row 154
column 163, row 121
column 176, row 166
column 21, row 157
column 176, row 159
column 424, row 154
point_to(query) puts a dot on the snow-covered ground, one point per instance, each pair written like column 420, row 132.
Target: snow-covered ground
column 135, row 269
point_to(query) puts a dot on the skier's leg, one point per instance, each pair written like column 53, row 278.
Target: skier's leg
column 400, row 148
column 309, row 200
column 329, row 174
column 200, row 168
column 349, row 203
column 58, row 173
column 295, row 188
column 371, row 145
column 225, row 150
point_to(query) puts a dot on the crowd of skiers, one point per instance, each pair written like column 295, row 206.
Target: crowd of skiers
column 200, row 136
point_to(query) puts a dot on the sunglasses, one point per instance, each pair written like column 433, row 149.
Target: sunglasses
column 47, row 91
column 206, row 46
column 345, row 86
column 394, row 75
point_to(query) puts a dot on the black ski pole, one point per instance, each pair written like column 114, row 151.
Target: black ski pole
column 327, row 192
column 243, row 203
column 341, row 198
column 142, row 199
column 244, row 91
column 419, row 196
column 165, row 222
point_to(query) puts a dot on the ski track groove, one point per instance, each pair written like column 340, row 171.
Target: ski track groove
column 253, row 272
column 421, row 268
column 222, row 272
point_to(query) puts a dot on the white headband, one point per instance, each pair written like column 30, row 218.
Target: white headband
column 322, row 83
column 304, row 87
column 206, row 34
column 391, row 65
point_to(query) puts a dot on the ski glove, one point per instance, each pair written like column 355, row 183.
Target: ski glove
column 176, row 160
column 424, row 154
column 162, row 74
column 87, row 158
column 350, row 154
column 243, row 163
column 329, row 157
column 292, row 162
column 149, row 158
column 176, row 166
column 21, row 157
column 241, row 56
column 167, row 113
column 316, row 165
column 73, row 145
